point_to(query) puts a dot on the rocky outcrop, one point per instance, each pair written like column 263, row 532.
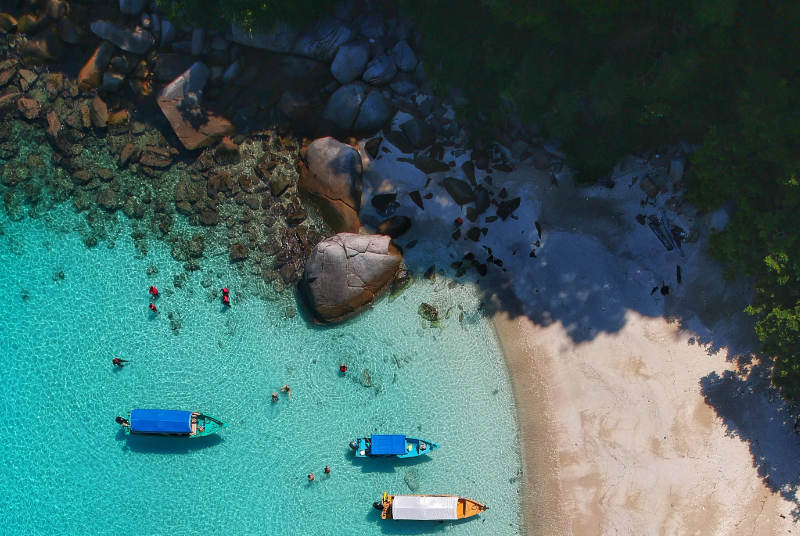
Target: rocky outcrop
column 134, row 41
column 374, row 113
column 181, row 101
column 380, row 70
column 346, row 273
column 344, row 104
column 332, row 179
column 349, row 63
column 323, row 40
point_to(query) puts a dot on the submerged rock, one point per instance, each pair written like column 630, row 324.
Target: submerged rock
column 428, row 312
column 346, row 273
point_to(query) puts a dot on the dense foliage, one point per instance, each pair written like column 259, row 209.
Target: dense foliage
column 610, row 77
column 255, row 14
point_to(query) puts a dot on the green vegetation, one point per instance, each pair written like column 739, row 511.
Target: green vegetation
column 610, row 77
column 255, row 14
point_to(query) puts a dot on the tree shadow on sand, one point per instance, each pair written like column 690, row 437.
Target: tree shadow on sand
column 589, row 261
column 751, row 410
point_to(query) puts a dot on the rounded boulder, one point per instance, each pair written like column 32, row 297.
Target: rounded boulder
column 346, row 273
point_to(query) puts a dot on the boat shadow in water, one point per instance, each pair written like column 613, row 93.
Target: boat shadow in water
column 152, row 444
column 385, row 464
column 391, row 526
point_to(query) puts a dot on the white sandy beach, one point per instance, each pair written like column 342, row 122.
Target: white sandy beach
column 640, row 412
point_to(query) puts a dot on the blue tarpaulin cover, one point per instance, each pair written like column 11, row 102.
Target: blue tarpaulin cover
column 161, row 421
column 385, row 445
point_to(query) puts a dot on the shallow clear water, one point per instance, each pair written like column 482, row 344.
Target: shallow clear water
column 67, row 469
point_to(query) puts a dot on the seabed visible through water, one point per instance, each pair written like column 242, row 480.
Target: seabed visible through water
column 68, row 469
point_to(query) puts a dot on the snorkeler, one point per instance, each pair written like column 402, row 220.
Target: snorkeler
column 342, row 368
column 117, row 362
column 153, row 308
column 226, row 300
column 154, row 292
column 123, row 422
column 288, row 390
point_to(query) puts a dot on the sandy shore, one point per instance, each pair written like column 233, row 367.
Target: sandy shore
column 619, row 439
column 640, row 413
column 640, row 409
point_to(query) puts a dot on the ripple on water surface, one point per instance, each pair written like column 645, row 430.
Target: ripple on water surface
column 68, row 470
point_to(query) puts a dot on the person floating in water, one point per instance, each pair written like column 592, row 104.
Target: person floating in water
column 154, row 292
column 274, row 397
column 119, row 362
column 288, row 390
column 327, row 470
column 226, row 301
column 123, row 422
column 342, row 368
column 154, row 308
column 311, row 477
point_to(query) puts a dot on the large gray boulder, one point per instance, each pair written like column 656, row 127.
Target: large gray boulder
column 323, row 39
column 134, row 41
column 181, row 103
column 332, row 179
column 375, row 112
column 349, row 63
column 380, row 70
column 346, row 273
column 281, row 38
column 344, row 105
column 404, row 57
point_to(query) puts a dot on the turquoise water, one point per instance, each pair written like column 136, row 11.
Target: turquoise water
column 67, row 469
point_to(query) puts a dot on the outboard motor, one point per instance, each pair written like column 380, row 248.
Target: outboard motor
column 354, row 445
column 377, row 505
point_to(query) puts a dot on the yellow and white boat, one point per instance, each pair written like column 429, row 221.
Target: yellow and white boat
column 427, row 507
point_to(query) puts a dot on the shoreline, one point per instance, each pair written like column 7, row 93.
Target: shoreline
column 620, row 439
column 540, row 500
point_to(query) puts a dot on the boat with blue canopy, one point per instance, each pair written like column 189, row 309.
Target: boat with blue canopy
column 392, row 445
column 170, row 422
